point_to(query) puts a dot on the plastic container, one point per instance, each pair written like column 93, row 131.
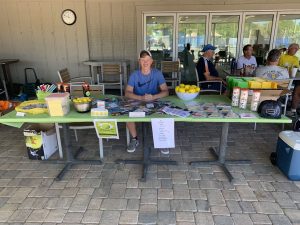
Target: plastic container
column 41, row 95
column 58, row 104
column 288, row 154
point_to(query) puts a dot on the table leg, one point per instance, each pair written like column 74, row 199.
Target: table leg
column 220, row 156
column 7, row 78
column 70, row 156
column 146, row 161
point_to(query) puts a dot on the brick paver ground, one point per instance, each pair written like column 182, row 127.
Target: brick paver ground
column 181, row 194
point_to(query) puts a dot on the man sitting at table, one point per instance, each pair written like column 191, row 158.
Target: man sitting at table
column 272, row 71
column 290, row 60
column 207, row 71
column 247, row 59
column 145, row 84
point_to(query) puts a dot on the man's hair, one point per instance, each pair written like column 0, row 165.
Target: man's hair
column 245, row 48
column 273, row 55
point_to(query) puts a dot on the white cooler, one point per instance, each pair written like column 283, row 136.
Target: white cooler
column 288, row 154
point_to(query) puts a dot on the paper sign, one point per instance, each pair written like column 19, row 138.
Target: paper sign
column 106, row 128
column 163, row 133
column 137, row 114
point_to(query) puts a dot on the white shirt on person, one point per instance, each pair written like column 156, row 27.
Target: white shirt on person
column 243, row 60
column 272, row 72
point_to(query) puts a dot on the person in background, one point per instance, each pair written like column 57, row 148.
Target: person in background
column 289, row 60
column 207, row 71
column 247, row 59
column 188, row 64
column 146, row 84
column 272, row 71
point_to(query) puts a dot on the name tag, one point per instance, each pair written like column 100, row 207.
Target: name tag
column 137, row 114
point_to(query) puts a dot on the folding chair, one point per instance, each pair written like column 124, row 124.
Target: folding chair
column 211, row 82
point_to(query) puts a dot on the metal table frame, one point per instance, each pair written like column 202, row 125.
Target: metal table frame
column 146, row 161
column 73, row 116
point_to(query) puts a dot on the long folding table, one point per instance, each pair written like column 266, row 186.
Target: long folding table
column 75, row 117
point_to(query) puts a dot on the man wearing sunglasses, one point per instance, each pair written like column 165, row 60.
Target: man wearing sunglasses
column 146, row 84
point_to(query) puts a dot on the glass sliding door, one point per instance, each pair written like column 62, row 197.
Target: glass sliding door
column 159, row 37
column 224, row 35
column 257, row 32
column 191, row 29
column 288, row 31
column 192, row 32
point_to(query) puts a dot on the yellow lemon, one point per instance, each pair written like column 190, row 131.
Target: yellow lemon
column 192, row 90
column 181, row 85
column 197, row 89
column 177, row 88
column 187, row 87
column 193, row 86
column 182, row 90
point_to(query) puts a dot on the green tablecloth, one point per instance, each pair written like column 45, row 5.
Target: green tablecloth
column 73, row 116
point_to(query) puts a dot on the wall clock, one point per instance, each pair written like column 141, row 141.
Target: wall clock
column 68, row 16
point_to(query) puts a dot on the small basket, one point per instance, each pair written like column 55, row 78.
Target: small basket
column 41, row 95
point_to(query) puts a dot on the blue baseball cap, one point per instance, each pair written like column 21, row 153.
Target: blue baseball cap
column 208, row 47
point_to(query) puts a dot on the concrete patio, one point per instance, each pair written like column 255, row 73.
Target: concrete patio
column 182, row 194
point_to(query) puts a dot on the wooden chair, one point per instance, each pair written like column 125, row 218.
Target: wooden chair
column 65, row 77
column 111, row 75
column 96, row 90
column 211, row 91
column 173, row 68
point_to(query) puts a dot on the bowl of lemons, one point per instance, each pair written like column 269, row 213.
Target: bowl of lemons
column 187, row 92
column 82, row 104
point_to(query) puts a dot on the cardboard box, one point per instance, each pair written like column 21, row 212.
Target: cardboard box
column 40, row 140
column 269, row 94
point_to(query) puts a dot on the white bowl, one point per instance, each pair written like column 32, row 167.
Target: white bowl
column 187, row 96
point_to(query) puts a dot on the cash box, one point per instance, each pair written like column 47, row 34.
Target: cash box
column 288, row 154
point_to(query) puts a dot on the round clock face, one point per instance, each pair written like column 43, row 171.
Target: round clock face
column 68, row 16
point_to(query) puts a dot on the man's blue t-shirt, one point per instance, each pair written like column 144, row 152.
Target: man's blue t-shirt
column 146, row 84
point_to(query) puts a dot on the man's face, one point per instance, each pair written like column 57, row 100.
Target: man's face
column 146, row 62
column 209, row 54
column 293, row 49
column 249, row 51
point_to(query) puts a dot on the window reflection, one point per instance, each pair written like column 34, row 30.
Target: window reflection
column 257, row 32
column 159, row 39
column 288, row 31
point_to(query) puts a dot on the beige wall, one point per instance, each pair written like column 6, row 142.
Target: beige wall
column 32, row 30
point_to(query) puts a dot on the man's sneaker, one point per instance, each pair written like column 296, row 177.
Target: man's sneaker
column 164, row 151
column 132, row 145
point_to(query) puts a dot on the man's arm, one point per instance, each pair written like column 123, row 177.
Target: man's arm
column 129, row 93
column 164, row 91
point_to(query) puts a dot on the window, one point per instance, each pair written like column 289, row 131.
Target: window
column 257, row 32
column 224, row 35
column 288, row 31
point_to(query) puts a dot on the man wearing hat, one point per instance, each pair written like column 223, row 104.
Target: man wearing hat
column 206, row 69
column 145, row 84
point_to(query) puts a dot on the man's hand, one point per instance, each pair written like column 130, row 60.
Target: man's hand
column 147, row 97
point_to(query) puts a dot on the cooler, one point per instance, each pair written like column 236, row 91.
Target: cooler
column 288, row 154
